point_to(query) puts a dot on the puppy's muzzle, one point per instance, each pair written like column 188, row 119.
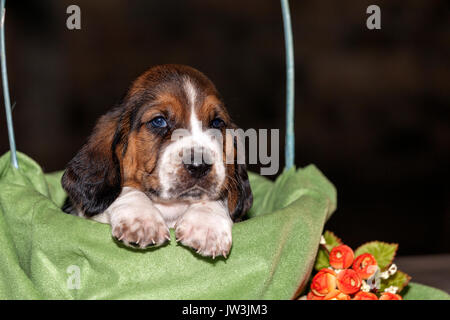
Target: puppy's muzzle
column 198, row 170
column 199, row 164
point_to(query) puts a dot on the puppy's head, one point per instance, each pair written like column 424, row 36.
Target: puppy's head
column 166, row 138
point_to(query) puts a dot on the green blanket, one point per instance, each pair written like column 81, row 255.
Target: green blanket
column 46, row 254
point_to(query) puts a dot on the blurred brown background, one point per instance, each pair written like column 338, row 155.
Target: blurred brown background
column 372, row 106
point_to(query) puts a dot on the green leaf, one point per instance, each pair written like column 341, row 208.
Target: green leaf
column 322, row 260
column 383, row 252
column 331, row 240
column 399, row 279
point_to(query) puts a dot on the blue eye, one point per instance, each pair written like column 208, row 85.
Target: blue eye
column 159, row 122
column 217, row 123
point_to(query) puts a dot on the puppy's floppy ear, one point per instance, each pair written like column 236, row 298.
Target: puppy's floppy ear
column 92, row 178
column 244, row 193
column 240, row 198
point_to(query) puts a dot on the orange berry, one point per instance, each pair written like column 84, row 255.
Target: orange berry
column 323, row 282
column 348, row 281
column 365, row 296
column 390, row 296
column 341, row 257
column 365, row 265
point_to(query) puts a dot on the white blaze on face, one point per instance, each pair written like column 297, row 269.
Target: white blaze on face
column 192, row 138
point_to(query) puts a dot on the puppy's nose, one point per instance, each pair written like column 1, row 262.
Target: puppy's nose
column 198, row 169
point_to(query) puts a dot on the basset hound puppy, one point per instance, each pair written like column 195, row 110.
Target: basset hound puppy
column 152, row 163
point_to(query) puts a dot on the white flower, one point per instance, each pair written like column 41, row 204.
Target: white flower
column 365, row 287
column 392, row 269
column 391, row 289
column 322, row 240
column 389, row 272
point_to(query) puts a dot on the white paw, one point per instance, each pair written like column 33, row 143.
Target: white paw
column 140, row 229
column 135, row 220
column 205, row 231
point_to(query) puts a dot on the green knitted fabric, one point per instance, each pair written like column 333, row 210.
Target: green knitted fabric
column 272, row 255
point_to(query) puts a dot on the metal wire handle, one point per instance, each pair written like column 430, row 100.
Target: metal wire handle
column 290, row 89
column 8, row 111
column 290, row 78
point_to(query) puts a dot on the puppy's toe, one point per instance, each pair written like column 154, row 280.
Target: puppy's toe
column 208, row 236
column 141, row 232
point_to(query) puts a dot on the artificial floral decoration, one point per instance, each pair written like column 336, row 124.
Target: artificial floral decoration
column 348, row 281
column 390, row 296
column 365, row 265
column 324, row 282
column 368, row 273
column 361, row 295
column 341, row 257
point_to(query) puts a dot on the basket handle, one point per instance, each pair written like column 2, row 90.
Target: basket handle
column 8, row 111
column 290, row 89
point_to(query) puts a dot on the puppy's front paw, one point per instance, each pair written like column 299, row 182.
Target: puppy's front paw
column 142, row 230
column 209, row 234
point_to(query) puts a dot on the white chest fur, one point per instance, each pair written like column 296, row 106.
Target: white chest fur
column 171, row 211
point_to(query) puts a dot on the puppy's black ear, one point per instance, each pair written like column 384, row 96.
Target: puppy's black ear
column 240, row 198
column 92, row 178
column 244, row 193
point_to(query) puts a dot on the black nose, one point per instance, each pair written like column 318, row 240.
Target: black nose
column 198, row 170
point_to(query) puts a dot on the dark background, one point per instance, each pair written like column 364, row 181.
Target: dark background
column 372, row 106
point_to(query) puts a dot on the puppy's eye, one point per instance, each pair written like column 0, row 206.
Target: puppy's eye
column 158, row 122
column 217, row 123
